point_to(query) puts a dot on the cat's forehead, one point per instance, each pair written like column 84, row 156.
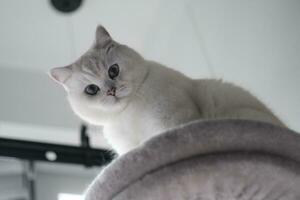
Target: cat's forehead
column 97, row 54
column 89, row 58
column 92, row 62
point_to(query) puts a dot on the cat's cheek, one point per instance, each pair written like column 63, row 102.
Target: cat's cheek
column 92, row 115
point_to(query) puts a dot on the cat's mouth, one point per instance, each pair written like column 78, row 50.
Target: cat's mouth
column 116, row 98
column 116, row 94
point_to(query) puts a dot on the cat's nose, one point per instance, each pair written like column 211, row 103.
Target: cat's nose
column 111, row 91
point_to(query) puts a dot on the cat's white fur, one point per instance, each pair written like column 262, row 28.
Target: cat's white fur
column 150, row 97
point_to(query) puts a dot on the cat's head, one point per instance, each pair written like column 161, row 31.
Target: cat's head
column 102, row 81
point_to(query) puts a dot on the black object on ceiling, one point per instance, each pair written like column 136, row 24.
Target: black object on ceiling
column 66, row 6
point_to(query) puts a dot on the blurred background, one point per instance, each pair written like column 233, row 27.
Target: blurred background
column 255, row 44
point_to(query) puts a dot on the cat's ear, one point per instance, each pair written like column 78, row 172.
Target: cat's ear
column 60, row 74
column 102, row 36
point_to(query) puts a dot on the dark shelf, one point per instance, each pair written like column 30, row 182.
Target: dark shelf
column 36, row 151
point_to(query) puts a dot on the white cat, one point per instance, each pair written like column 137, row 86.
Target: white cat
column 134, row 99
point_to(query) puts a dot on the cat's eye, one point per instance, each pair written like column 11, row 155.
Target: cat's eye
column 91, row 89
column 113, row 71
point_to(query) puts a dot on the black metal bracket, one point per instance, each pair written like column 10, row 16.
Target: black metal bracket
column 84, row 138
column 85, row 143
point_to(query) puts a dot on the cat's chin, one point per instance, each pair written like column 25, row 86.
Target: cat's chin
column 114, row 104
column 110, row 100
column 100, row 114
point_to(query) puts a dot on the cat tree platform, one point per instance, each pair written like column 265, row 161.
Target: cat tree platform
column 207, row 160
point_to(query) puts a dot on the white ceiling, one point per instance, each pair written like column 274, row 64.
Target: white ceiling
column 255, row 44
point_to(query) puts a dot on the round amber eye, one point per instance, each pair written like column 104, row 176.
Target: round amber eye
column 113, row 71
column 92, row 89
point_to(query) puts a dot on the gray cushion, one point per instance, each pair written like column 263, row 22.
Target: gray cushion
column 219, row 159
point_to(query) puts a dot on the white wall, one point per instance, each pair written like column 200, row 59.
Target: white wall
column 50, row 184
column 50, row 179
column 257, row 45
column 11, row 187
column 53, row 179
